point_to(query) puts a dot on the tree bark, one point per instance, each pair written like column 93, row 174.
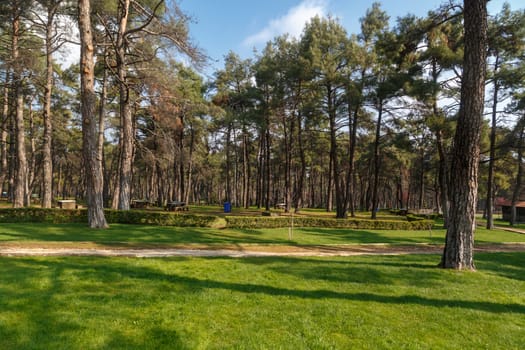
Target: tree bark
column 3, row 132
column 126, row 157
column 519, row 176
column 47, row 161
column 458, row 252
column 377, row 161
column 93, row 169
column 302, row 173
column 492, row 156
column 20, row 183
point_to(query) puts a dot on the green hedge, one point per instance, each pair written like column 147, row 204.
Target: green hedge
column 143, row 217
column 62, row 216
column 52, row 216
column 276, row 222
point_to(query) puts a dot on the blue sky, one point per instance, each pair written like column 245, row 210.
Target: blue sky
column 244, row 25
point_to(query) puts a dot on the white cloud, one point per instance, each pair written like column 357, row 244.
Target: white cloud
column 292, row 23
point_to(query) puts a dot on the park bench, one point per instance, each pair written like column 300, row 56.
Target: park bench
column 67, row 204
column 140, row 204
column 176, row 206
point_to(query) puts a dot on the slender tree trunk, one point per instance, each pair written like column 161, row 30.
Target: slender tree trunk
column 20, row 183
column 47, row 160
column 288, row 135
column 267, row 169
column 333, row 178
column 116, row 177
column 3, row 132
column 93, row 169
column 377, row 161
column 31, row 160
column 260, row 172
column 302, row 172
column 422, row 182
column 126, row 157
column 459, row 245
column 519, row 177
column 443, row 159
column 350, row 186
column 245, row 169
column 443, row 178
column 101, row 125
column 190, row 165
column 490, row 181
column 180, row 143
column 228, row 165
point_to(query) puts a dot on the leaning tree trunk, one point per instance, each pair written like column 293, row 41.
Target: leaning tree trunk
column 458, row 252
column 93, row 169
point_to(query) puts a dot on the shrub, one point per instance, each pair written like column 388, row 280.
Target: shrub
column 277, row 222
column 62, row 216
column 143, row 217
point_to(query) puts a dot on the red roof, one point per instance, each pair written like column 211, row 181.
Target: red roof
column 508, row 203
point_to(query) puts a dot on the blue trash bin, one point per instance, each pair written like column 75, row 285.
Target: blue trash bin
column 227, row 207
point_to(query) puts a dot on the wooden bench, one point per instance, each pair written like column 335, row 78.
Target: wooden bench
column 176, row 206
column 140, row 204
column 67, row 204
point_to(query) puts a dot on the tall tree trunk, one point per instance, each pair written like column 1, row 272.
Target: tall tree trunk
column 333, row 179
column 350, row 186
column 422, row 182
column 47, row 160
column 101, row 126
column 519, row 177
column 492, row 156
column 267, row 169
column 288, row 128
column 32, row 150
column 180, row 144
column 228, row 164
column 443, row 178
column 245, row 169
column 93, row 169
column 458, row 252
column 377, row 161
column 3, row 132
column 260, row 172
column 126, row 157
column 20, row 185
column 302, row 172
column 189, row 176
column 443, row 159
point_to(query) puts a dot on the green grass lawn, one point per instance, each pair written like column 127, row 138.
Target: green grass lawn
column 136, row 235
column 373, row 302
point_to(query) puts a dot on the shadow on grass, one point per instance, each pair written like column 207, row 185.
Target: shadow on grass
column 509, row 265
column 366, row 237
column 107, row 270
column 130, row 234
column 39, row 290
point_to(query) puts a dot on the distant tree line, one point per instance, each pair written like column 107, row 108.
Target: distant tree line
column 330, row 120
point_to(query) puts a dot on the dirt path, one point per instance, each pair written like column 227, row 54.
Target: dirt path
column 242, row 251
